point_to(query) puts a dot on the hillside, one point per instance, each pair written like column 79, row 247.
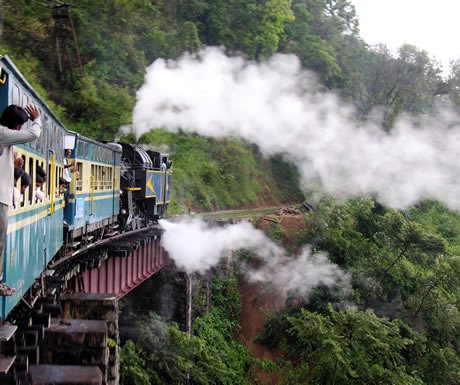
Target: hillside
column 118, row 39
column 399, row 321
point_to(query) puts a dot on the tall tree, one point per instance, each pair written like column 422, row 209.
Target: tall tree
column 407, row 82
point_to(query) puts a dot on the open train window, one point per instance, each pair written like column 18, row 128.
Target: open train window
column 60, row 174
column 101, row 178
column 30, row 170
column 105, row 177
column 45, row 187
column 79, row 177
column 19, row 195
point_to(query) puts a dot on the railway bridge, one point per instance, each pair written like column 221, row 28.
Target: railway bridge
column 67, row 331
column 114, row 267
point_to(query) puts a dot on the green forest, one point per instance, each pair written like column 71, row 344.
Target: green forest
column 400, row 324
column 118, row 39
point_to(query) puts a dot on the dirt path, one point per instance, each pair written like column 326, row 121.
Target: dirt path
column 240, row 213
column 256, row 303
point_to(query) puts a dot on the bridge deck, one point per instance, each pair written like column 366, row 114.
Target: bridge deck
column 127, row 266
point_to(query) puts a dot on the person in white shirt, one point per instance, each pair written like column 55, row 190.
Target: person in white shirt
column 69, row 166
column 40, row 179
column 18, row 196
column 11, row 133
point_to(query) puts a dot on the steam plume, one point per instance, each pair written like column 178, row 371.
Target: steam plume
column 278, row 106
column 196, row 246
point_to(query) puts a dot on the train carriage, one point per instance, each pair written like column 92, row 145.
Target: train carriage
column 94, row 196
column 113, row 184
column 34, row 233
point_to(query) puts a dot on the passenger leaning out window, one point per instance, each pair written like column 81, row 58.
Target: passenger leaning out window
column 12, row 131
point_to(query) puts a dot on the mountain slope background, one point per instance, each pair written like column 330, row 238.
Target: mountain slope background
column 400, row 323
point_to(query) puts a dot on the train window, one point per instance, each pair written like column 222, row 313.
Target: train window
column 45, row 187
column 17, row 199
column 79, row 176
column 17, row 195
column 62, row 187
column 56, row 181
column 16, row 95
column 104, row 177
column 30, row 170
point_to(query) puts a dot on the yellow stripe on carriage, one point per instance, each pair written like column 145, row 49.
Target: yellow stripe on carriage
column 95, row 198
column 43, row 213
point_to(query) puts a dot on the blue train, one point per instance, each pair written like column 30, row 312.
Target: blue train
column 115, row 187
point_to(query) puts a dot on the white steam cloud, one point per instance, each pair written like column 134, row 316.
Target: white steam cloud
column 279, row 107
column 196, row 246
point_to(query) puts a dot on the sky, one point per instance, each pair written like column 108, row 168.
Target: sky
column 432, row 25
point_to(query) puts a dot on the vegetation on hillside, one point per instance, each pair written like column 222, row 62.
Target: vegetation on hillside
column 164, row 355
column 118, row 39
column 400, row 324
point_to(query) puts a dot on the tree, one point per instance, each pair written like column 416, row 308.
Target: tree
column 188, row 38
column 408, row 82
column 453, row 82
column 314, row 52
column 344, row 347
column 255, row 28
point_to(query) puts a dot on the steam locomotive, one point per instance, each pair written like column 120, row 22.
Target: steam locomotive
column 115, row 187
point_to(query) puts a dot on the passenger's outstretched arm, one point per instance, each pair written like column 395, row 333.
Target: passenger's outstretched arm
column 9, row 137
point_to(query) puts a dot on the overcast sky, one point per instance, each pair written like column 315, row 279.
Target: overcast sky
column 429, row 24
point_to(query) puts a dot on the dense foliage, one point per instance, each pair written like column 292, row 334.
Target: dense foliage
column 166, row 355
column 400, row 323
column 118, row 39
